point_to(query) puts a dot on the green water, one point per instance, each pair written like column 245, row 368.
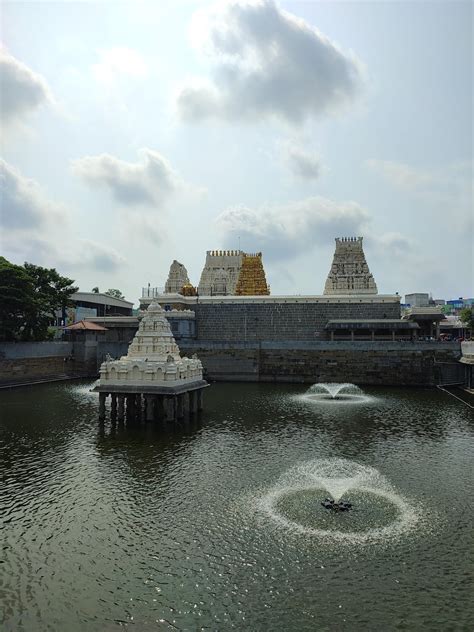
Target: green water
column 218, row 525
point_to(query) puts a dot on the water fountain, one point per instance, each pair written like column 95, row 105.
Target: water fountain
column 376, row 511
column 335, row 392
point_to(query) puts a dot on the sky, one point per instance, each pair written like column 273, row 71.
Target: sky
column 135, row 133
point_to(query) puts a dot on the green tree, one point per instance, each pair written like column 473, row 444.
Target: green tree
column 52, row 292
column 115, row 293
column 17, row 297
column 466, row 315
column 29, row 296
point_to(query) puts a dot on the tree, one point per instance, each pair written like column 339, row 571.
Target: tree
column 17, row 296
column 29, row 296
column 115, row 293
column 466, row 315
column 95, row 290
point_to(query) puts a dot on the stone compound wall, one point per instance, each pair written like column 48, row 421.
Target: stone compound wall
column 377, row 363
column 280, row 321
column 27, row 362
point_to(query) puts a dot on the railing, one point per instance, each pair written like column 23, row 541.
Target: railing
column 152, row 292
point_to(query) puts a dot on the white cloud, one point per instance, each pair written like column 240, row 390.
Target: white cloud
column 287, row 230
column 81, row 254
column 22, row 90
column 147, row 182
column 24, row 205
column 266, row 63
column 119, row 61
column 401, row 175
column 302, row 164
column 445, row 192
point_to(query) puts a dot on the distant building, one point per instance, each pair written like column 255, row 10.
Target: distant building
column 417, row 299
column 90, row 304
column 349, row 272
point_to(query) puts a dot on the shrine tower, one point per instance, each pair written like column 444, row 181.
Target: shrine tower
column 349, row 272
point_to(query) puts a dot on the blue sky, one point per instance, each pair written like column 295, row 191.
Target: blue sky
column 135, row 133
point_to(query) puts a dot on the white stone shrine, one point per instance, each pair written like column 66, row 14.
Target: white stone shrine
column 153, row 369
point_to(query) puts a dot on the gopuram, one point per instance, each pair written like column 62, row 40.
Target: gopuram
column 233, row 272
column 177, row 278
column 252, row 281
column 152, row 381
column 349, row 272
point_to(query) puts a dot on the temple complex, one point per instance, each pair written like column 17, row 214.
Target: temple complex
column 349, row 272
column 252, row 281
column 177, row 278
column 152, row 379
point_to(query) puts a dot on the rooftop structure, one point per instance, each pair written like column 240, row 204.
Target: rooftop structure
column 349, row 272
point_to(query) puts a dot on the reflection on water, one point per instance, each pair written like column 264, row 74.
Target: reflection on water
column 112, row 526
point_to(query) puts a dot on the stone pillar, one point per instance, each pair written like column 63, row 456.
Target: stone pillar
column 199, row 399
column 332, row 335
column 352, row 335
column 192, row 402
column 130, row 406
column 113, row 409
column 121, row 407
column 180, row 406
column 102, row 398
column 160, row 408
column 138, row 406
column 372, row 332
column 149, row 407
column 393, row 335
column 171, row 408
column 186, row 403
column 437, row 331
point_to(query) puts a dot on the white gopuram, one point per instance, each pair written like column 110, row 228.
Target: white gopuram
column 177, row 278
column 152, row 376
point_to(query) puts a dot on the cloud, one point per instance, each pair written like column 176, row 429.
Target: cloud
column 301, row 163
column 22, row 90
column 119, row 61
column 439, row 191
column 287, row 230
column 24, row 205
column 266, row 63
column 82, row 254
column 402, row 175
column 147, row 182
column 91, row 254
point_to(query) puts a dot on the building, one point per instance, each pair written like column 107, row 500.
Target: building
column 418, row 299
column 91, row 304
column 349, row 273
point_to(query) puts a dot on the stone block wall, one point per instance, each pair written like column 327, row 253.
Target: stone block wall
column 397, row 364
column 26, row 362
column 280, row 321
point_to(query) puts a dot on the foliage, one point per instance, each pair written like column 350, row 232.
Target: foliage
column 29, row 296
column 115, row 293
column 466, row 315
column 95, row 290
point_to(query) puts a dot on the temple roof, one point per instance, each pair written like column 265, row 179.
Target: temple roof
column 85, row 325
